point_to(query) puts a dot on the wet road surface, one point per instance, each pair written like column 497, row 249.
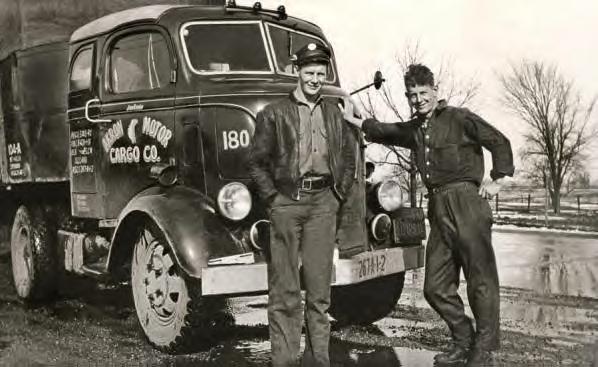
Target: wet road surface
column 549, row 305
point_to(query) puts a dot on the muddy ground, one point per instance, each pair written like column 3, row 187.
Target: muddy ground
column 92, row 324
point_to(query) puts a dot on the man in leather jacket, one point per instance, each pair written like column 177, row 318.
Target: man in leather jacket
column 303, row 163
column 448, row 143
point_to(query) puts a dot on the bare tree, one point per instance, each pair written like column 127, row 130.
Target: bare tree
column 557, row 121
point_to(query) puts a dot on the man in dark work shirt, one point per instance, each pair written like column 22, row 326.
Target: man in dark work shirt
column 448, row 145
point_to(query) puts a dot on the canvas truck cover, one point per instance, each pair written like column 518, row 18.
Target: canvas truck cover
column 28, row 23
column 34, row 132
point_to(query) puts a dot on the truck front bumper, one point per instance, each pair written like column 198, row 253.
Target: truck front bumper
column 253, row 278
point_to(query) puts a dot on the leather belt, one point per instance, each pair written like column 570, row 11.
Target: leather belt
column 448, row 186
column 314, row 183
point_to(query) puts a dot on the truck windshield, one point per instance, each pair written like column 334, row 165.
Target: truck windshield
column 226, row 47
column 286, row 42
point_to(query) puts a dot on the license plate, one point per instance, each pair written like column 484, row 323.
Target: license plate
column 372, row 266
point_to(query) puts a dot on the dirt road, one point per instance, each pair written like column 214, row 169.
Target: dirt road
column 549, row 318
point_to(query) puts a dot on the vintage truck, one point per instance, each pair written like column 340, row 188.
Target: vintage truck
column 124, row 158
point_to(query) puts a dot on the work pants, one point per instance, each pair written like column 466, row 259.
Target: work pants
column 460, row 238
column 302, row 230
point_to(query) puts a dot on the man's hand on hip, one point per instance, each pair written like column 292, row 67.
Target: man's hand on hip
column 490, row 189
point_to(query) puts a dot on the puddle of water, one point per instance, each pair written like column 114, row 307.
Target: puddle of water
column 351, row 354
column 244, row 352
column 563, row 319
column 257, row 354
column 579, row 324
column 548, row 263
column 4, row 344
column 415, row 357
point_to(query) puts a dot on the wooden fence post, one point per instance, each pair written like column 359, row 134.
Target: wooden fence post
column 496, row 205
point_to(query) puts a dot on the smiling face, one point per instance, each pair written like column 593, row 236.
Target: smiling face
column 422, row 98
column 311, row 79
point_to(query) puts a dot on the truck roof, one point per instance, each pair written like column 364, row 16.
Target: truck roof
column 111, row 21
column 153, row 13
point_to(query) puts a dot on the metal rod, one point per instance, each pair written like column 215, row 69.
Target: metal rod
column 362, row 88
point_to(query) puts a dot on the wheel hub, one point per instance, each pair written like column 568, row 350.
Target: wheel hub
column 23, row 262
column 160, row 282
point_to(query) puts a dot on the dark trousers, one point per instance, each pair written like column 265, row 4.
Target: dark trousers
column 460, row 238
column 301, row 230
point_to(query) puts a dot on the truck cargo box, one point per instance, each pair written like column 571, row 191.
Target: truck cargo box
column 33, row 86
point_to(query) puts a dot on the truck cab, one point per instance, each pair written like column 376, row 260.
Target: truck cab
column 161, row 112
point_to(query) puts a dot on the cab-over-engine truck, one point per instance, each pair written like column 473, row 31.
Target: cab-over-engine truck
column 124, row 157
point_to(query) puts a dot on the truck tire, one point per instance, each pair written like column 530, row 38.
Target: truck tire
column 170, row 309
column 366, row 302
column 33, row 254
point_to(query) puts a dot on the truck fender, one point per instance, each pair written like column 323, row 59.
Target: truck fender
column 190, row 225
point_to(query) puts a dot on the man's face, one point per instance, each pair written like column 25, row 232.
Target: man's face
column 311, row 78
column 422, row 98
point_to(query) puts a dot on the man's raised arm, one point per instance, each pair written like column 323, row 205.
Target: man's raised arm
column 398, row 133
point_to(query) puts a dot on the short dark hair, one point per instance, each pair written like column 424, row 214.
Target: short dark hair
column 418, row 74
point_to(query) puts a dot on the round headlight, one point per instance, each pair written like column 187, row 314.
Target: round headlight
column 259, row 234
column 390, row 195
column 234, row 201
column 380, row 226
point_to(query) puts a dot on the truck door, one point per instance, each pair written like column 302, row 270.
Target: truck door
column 136, row 131
column 85, row 200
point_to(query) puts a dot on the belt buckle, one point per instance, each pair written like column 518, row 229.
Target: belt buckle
column 304, row 187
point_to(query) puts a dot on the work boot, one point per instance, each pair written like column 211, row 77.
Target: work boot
column 456, row 356
column 480, row 358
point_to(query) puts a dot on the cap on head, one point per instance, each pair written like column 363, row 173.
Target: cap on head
column 312, row 53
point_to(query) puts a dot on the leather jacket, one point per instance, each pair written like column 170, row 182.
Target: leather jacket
column 274, row 154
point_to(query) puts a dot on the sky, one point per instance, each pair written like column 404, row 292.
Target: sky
column 480, row 37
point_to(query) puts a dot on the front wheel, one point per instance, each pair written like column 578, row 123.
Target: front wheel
column 366, row 302
column 172, row 313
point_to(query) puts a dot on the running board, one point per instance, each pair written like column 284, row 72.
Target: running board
column 253, row 278
column 79, row 258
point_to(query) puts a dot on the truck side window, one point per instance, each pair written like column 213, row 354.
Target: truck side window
column 139, row 62
column 80, row 78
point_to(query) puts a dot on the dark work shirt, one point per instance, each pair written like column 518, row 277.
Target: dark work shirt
column 448, row 147
column 313, row 145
